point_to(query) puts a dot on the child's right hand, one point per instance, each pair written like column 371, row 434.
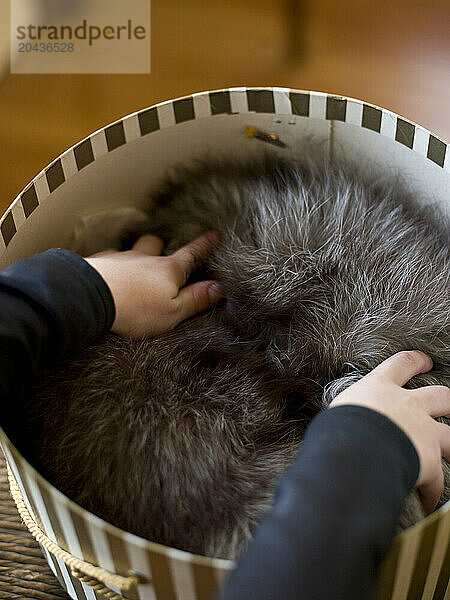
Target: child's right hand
column 149, row 291
column 412, row 411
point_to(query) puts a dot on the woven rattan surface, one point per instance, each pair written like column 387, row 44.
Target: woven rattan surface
column 24, row 573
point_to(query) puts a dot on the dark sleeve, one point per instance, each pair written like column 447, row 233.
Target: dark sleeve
column 51, row 306
column 334, row 514
column 335, row 509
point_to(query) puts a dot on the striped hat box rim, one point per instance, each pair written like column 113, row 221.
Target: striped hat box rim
column 369, row 116
column 243, row 100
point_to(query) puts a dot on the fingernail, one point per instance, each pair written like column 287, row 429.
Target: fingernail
column 215, row 291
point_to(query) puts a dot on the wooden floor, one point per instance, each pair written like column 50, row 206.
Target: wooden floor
column 393, row 53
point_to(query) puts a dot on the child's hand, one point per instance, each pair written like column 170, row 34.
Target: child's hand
column 412, row 411
column 148, row 288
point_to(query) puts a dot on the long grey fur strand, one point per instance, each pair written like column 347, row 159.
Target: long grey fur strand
column 181, row 438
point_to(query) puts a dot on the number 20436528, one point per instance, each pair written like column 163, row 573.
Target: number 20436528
column 46, row 47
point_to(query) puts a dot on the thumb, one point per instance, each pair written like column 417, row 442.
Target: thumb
column 197, row 297
column 431, row 491
column 402, row 366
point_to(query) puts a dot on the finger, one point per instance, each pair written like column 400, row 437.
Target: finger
column 197, row 297
column 444, row 440
column 435, row 399
column 186, row 257
column 103, row 253
column 149, row 244
column 430, row 493
column 400, row 367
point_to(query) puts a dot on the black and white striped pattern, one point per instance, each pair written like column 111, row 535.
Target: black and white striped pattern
column 277, row 101
column 418, row 566
column 168, row 573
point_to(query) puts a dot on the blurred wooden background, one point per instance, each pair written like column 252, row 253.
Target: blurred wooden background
column 393, row 53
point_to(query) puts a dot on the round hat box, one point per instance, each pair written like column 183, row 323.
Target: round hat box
column 117, row 166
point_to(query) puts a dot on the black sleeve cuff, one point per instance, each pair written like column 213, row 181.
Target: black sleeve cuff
column 72, row 298
column 334, row 514
column 382, row 430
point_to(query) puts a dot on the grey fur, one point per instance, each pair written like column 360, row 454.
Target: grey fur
column 180, row 438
